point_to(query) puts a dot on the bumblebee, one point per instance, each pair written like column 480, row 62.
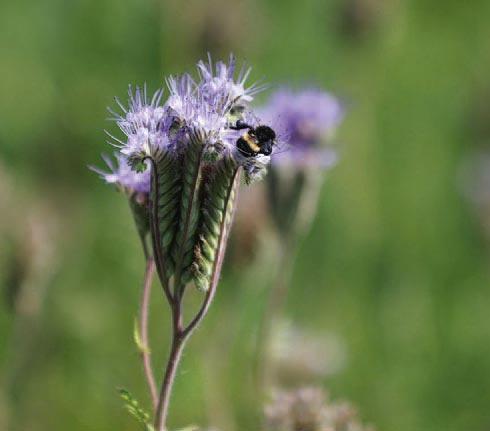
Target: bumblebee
column 256, row 140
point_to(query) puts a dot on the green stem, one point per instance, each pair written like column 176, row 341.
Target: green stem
column 143, row 327
column 178, row 342
column 274, row 305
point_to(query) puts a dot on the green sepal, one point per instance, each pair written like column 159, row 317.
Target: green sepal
column 190, row 202
column 166, row 196
column 217, row 201
column 137, row 162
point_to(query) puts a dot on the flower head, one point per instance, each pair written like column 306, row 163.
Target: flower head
column 122, row 175
column 181, row 102
column 219, row 82
column 191, row 141
column 308, row 118
column 145, row 123
column 203, row 110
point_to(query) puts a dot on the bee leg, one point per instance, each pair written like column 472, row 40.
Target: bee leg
column 240, row 125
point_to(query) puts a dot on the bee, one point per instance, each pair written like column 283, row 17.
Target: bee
column 256, row 140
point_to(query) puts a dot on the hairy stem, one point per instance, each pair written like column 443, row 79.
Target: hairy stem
column 176, row 348
column 143, row 327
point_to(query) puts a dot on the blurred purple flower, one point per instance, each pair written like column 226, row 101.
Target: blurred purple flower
column 307, row 119
column 122, row 175
column 309, row 409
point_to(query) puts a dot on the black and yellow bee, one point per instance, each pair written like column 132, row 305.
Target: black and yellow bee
column 256, row 140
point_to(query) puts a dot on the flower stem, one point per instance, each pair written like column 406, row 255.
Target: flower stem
column 276, row 298
column 143, row 327
column 176, row 348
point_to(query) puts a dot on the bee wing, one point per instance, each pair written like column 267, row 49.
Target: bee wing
column 256, row 119
column 280, row 146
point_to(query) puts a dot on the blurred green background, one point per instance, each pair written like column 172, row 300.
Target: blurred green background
column 395, row 265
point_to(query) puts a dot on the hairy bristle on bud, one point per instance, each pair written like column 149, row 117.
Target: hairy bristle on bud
column 218, row 196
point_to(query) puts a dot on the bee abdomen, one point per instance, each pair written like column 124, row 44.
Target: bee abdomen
column 244, row 148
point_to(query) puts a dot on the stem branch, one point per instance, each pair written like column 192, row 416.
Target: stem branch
column 143, row 327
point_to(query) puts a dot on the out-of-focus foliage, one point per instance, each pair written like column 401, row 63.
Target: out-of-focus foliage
column 396, row 264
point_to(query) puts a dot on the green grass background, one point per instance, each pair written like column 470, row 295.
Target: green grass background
column 396, row 263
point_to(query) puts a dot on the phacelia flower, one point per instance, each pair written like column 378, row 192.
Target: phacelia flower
column 143, row 122
column 308, row 118
column 201, row 110
column 195, row 144
column 190, row 141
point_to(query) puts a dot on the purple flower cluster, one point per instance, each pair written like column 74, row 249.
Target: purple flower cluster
column 202, row 110
column 308, row 119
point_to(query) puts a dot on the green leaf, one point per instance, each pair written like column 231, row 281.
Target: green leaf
column 134, row 408
column 137, row 338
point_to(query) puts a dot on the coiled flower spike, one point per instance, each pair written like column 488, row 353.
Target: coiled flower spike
column 191, row 145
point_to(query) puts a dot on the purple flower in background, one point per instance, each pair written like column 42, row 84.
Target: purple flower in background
column 308, row 118
column 121, row 174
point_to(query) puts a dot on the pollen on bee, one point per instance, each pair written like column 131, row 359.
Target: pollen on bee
column 251, row 143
